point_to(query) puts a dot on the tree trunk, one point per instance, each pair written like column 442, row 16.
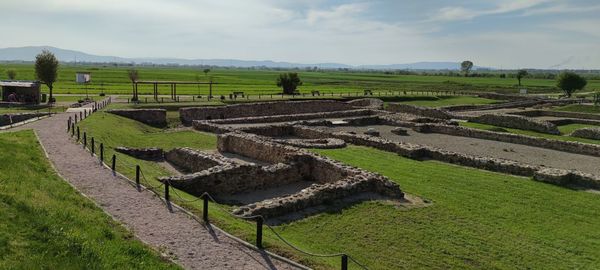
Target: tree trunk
column 50, row 98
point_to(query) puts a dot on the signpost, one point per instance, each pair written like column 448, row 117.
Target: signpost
column 83, row 77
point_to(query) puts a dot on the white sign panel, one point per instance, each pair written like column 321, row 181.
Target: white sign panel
column 83, row 77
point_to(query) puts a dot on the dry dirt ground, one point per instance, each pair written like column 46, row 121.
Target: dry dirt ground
column 187, row 242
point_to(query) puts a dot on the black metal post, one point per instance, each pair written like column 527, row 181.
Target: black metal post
column 93, row 148
column 344, row 262
column 259, row 232
column 167, row 191
column 205, row 208
column 102, row 152
column 114, row 162
column 137, row 176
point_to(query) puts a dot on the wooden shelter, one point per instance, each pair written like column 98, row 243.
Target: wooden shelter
column 21, row 91
column 171, row 84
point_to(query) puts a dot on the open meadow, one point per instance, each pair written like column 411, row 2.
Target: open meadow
column 113, row 80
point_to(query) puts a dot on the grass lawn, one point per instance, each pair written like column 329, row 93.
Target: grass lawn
column 578, row 108
column 37, row 108
column 564, row 130
column 441, row 101
column 46, row 224
column 478, row 220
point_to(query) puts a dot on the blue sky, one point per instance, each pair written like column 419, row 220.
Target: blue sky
column 495, row 33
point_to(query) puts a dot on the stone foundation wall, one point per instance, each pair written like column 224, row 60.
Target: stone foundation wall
column 189, row 160
column 418, row 110
column 13, row 118
column 536, row 113
column 152, row 117
column 253, row 146
column 516, row 121
column 419, row 152
column 261, row 109
column 565, row 146
column 293, row 117
column 235, row 178
column 587, row 133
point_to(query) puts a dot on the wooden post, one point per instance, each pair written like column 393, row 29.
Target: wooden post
column 259, row 232
column 137, row 176
column 205, row 208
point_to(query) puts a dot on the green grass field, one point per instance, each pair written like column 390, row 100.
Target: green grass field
column 478, row 219
column 578, row 108
column 46, row 224
column 565, row 130
column 114, row 80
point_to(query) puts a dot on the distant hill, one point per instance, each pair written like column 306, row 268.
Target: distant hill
column 29, row 53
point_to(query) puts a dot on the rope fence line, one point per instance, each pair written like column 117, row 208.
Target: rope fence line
column 205, row 197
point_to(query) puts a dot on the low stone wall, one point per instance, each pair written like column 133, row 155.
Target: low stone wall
column 13, row 118
column 152, row 117
column 293, row 117
column 418, row 110
column 588, row 133
column 189, row 160
column 333, row 180
column 419, row 152
column 236, row 178
column 537, row 113
column 327, row 143
column 142, row 153
column 516, row 121
column 371, row 103
column 253, row 146
column 565, row 146
column 261, row 109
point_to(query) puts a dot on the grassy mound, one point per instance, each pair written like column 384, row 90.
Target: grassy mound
column 46, row 224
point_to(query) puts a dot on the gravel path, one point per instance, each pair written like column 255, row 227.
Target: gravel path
column 192, row 245
column 488, row 148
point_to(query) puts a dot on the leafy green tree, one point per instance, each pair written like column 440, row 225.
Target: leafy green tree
column 11, row 73
column 466, row 67
column 133, row 75
column 46, row 70
column 570, row 82
column 521, row 74
column 289, row 82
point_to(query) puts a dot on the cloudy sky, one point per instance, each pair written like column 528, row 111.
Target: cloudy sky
column 495, row 33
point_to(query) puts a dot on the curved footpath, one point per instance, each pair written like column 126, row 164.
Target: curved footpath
column 187, row 242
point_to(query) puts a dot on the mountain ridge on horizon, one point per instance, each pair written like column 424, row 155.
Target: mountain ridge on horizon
column 28, row 53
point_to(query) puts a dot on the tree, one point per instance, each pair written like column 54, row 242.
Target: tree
column 520, row 74
column 133, row 77
column 11, row 73
column 466, row 67
column 206, row 71
column 570, row 82
column 46, row 70
column 289, row 82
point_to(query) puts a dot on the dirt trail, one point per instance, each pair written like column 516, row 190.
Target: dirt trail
column 189, row 243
